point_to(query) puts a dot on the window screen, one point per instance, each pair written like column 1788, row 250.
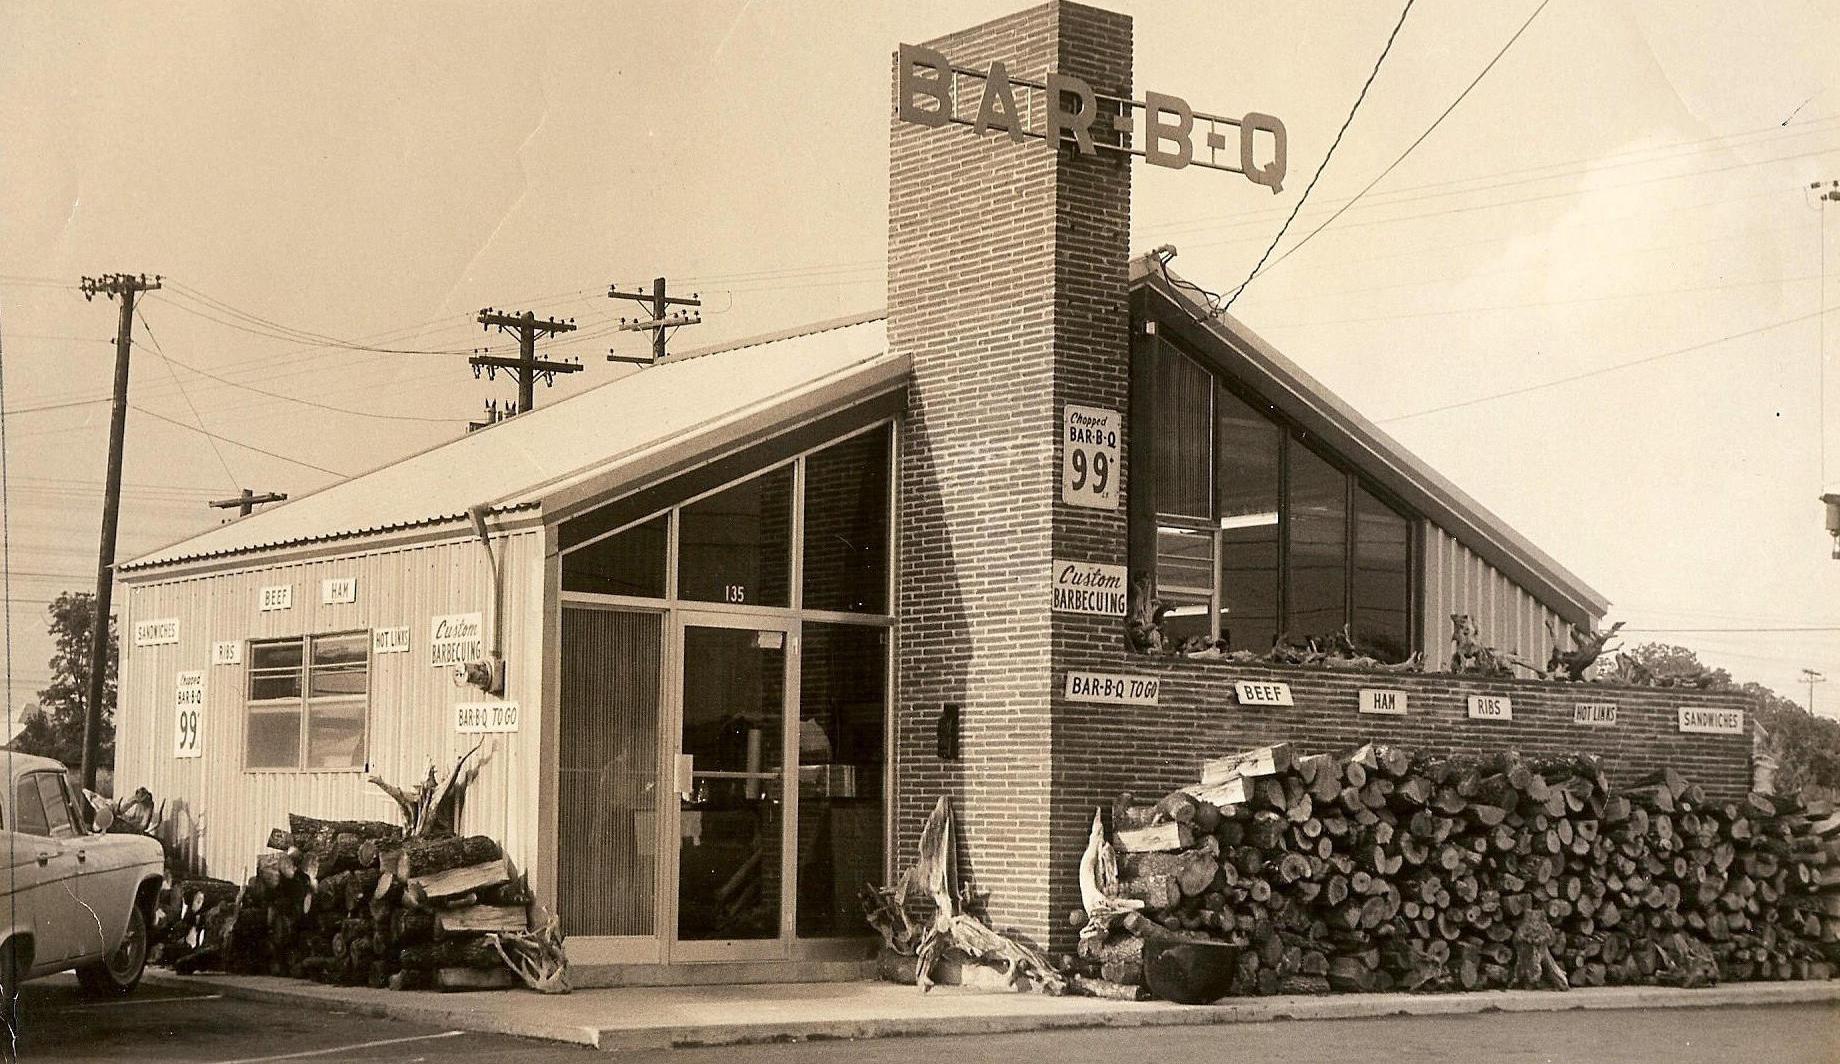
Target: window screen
column 1184, row 437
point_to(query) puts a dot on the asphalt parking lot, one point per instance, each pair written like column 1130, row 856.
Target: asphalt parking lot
column 158, row 1024
column 161, row 1024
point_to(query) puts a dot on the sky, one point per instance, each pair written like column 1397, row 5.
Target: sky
column 1591, row 296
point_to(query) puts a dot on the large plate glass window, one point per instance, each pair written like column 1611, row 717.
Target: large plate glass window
column 736, row 546
column 1382, row 577
column 626, row 563
column 1249, row 483
column 1259, row 535
column 843, row 699
column 846, row 525
column 309, row 702
column 1317, row 568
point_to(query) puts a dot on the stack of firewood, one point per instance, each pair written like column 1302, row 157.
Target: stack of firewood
column 355, row 903
column 184, row 914
column 1823, row 837
column 1386, row 870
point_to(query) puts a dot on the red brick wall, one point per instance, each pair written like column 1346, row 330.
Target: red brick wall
column 1007, row 288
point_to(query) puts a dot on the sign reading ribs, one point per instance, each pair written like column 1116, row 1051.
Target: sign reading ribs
column 1069, row 111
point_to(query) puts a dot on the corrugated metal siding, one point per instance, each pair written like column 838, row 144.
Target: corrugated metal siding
column 1458, row 581
column 219, row 814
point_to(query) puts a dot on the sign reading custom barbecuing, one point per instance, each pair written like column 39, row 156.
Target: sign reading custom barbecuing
column 1172, row 133
column 1089, row 587
column 456, row 638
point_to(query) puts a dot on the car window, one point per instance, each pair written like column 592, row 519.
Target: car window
column 30, row 815
column 58, row 813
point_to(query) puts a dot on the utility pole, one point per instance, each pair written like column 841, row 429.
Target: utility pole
column 527, row 367
column 1812, row 677
column 1824, row 193
column 247, row 502
column 661, row 321
column 122, row 287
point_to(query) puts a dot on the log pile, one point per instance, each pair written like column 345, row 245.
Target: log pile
column 1823, row 839
column 185, row 913
column 1384, row 870
column 355, row 903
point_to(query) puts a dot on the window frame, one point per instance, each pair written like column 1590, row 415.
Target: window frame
column 1294, row 435
column 673, row 599
column 302, row 703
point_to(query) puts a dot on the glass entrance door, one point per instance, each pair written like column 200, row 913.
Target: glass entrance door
column 733, row 875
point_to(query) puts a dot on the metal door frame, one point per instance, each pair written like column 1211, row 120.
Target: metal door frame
column 670, row 843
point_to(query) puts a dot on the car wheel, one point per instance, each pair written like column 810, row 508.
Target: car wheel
column 120, row 972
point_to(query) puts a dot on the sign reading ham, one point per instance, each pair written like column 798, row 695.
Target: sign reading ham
column 1066, row 110
column 1711, row 721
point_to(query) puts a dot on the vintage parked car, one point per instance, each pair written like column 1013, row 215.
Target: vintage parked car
column 72, row 897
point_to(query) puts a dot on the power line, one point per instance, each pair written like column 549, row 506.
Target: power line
column 297, row 399
column 1324, row 165
column 237, row 443
column 1604, row 369
column 1561, row 169
column 189, row 405
column 276, row 330
column 1493, row 204
column 1409, row 148
column 1538, row 303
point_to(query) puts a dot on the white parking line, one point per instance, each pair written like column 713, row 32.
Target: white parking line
column 137, row 1001
column 343, row 1049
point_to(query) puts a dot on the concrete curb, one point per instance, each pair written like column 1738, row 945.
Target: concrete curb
column 984, row 1013
column 436, row 1010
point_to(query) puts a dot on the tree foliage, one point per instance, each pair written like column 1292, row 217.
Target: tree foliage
column 58, row 731
column 1806, row 746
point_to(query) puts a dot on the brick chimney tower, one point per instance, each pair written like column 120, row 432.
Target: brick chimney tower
column 1007, row 288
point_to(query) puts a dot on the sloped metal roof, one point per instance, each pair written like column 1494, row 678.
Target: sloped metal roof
column 514, row 465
